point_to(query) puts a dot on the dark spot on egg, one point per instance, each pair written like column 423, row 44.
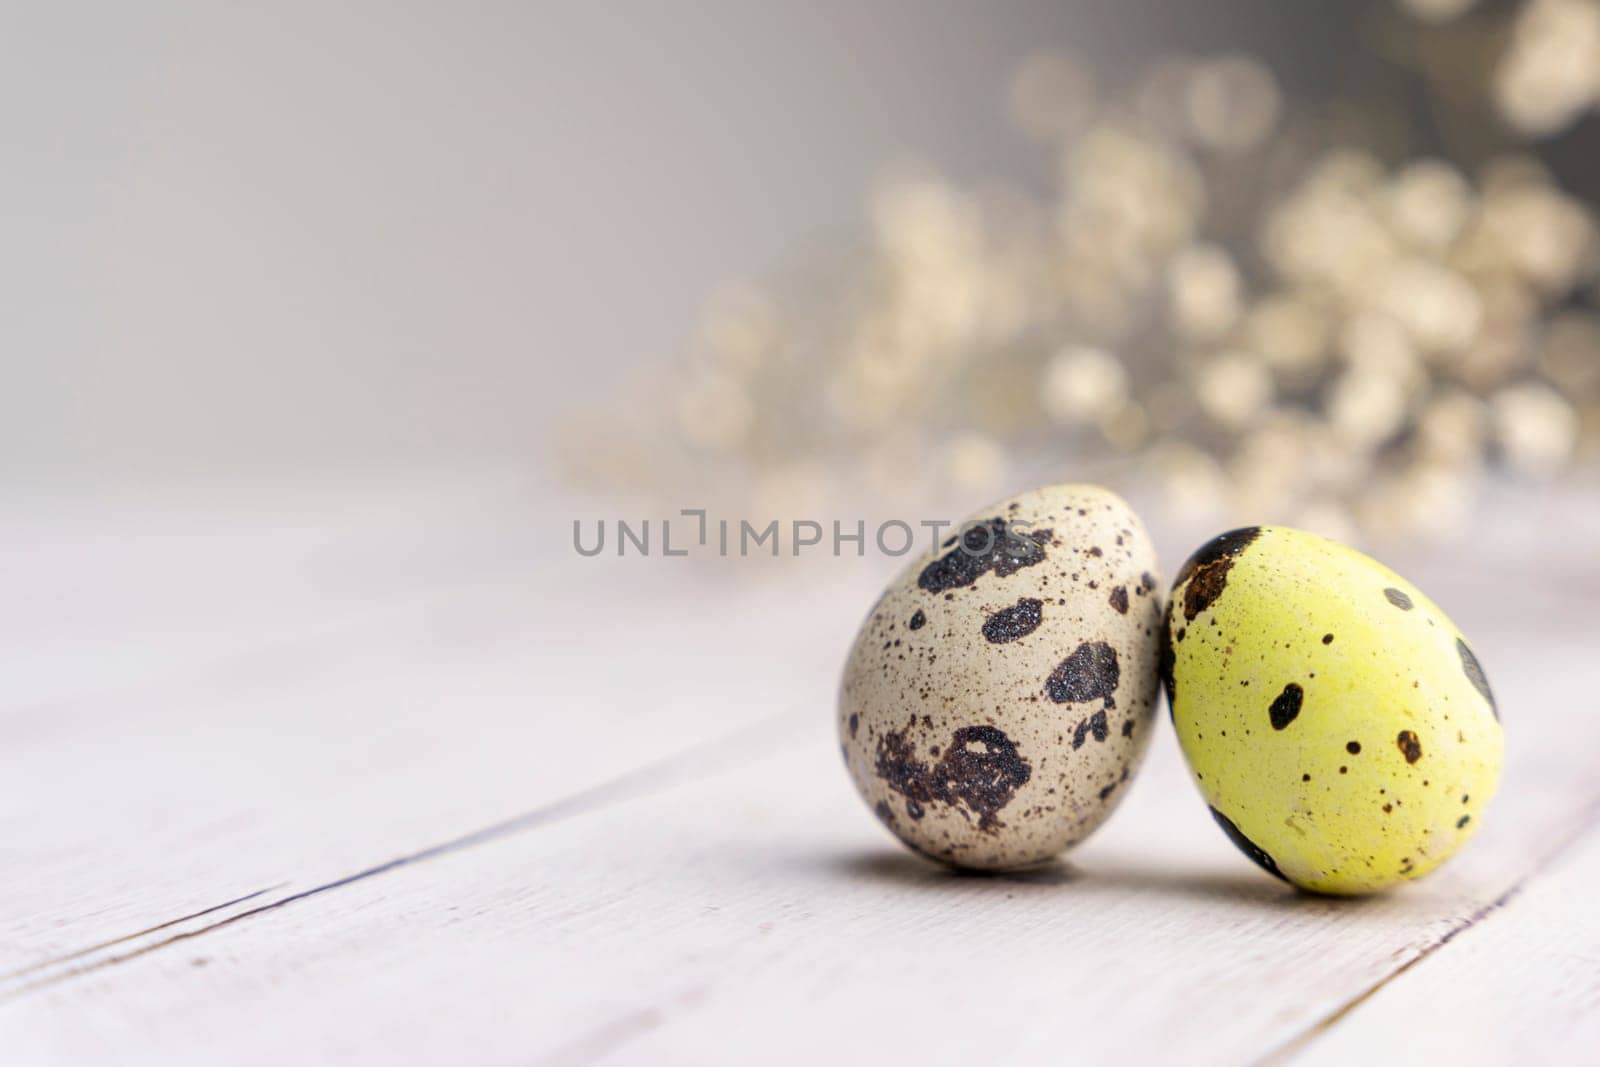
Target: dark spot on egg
column 1353, row 747
column 1206, row 572
column 884, row 813
column 1095, row 725
column 1019, row 620
column 1247, row 846
column 1090, row 673
column 1168, row 665
column 1474, row 672
column 1285, row 706
column 1409, row 745
column 1119, row 599
column 1398, row 599
column 855, row 721
column 1147, row 582
column 984, row 547
column 918, row 620
column 1327, row 639
column 1461, row 822
column 979, row 773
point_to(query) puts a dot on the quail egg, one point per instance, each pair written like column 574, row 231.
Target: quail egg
column 1338, row 724
column 1001, row 692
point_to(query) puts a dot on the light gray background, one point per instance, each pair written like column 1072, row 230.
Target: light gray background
column 280, row 236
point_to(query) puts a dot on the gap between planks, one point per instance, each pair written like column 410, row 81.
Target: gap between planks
column 34, row 968
column 765, row 737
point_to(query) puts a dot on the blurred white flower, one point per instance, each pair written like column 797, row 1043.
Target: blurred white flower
column 922, row 218
column 1428, row 203
column 1535, row 426
column 1330, row 230
column 1338, row 343
column 1437, row 306
column 1541, row 232
column 1203, row 291
column 1234, row 389
column 1129, row 196
column 1551, row 73
column 1232, row 104
column 1290, row 331
column 1081, row 384
column 1365, row 408
column 1375, row 343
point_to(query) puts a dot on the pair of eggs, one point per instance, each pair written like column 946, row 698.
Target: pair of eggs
column 1002, row 692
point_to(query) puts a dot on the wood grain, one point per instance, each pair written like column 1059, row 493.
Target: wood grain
column 1525, row 985
column 498, row 809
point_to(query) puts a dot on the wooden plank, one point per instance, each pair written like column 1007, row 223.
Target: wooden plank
column 762, row 910
column 445, row 706
column 249, row 818
column 101, row 592
column 1523, row 985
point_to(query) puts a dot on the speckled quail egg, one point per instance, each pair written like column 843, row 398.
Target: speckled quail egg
column 1338, row 724
column 1002, row 690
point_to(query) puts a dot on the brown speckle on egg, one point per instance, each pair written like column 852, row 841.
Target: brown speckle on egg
column 988, row 546
column 1206, row 572
column 980, row 772
column 1090, row 673
column 1409, row 745
column 1286, row 706
column 1017, row 621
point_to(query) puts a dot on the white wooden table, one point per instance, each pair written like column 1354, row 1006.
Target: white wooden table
column 387, row 774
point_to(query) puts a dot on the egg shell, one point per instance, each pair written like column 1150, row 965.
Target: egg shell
column 1002, row 691
column 1337, row 722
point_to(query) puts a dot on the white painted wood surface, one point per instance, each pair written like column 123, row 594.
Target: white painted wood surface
column 391, row 776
